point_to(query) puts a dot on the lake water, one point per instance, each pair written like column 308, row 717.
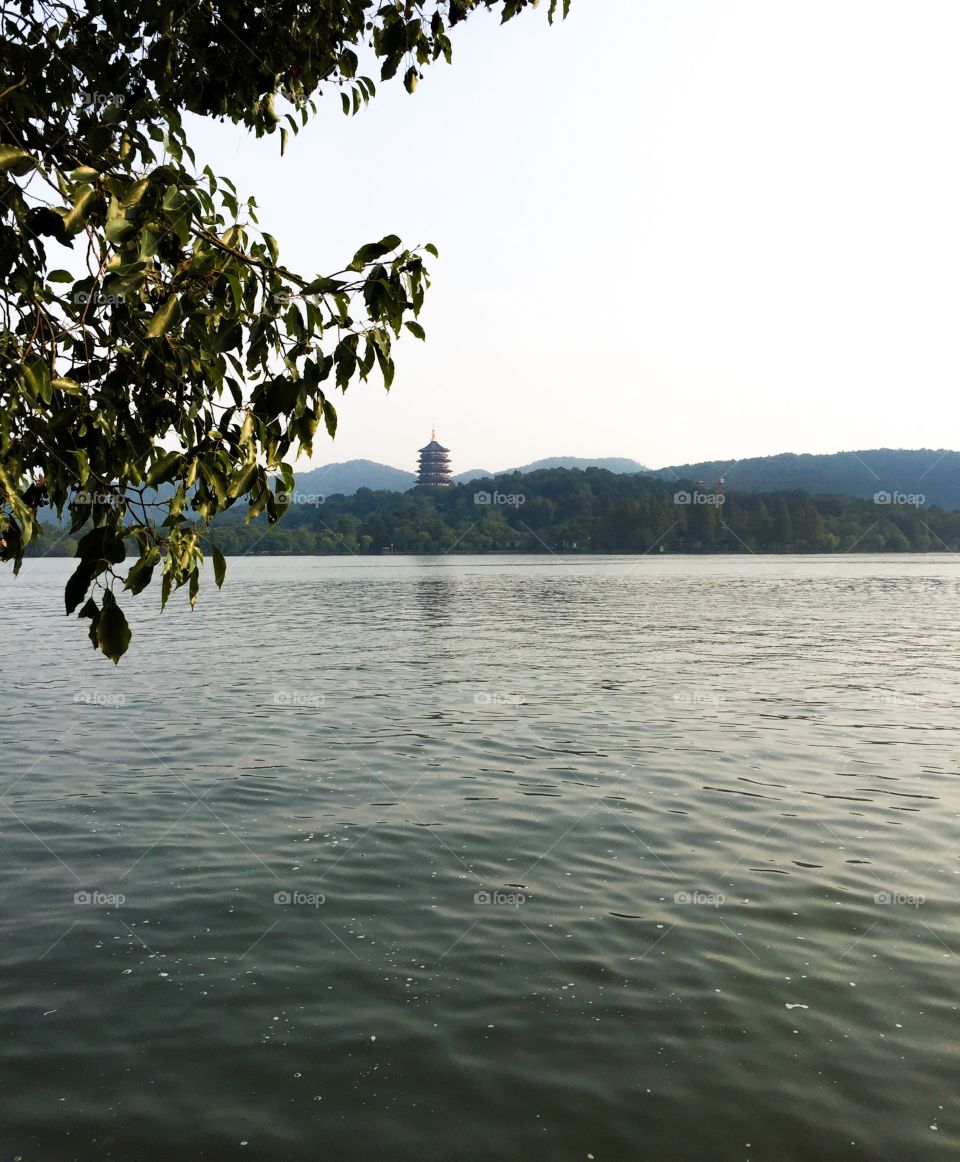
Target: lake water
column 486, row 858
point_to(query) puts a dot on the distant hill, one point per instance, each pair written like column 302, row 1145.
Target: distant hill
column 351, row 475
column 347, row 477
column 569, row 510
column 472, row 474
column 931, row 473
column 617, row 464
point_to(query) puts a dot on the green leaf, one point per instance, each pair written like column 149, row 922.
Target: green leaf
column 117, row 229
column 141, row 573
column 323, row 286
column 374, row 250
column 113, row 633
column 79, row 583
column 330, row 417
column 242, row 482
column 148, row 243
column 164, row 318
column 101, row 545
column 216, row 479
column 345, row 356
column 38, row 376
column 59, row 276
column 135, row 193
column 416, row 329
column 219, row 566
column 163, row 469
column 15, row 161
column 74, row 219
column 234, row 281
column 92, row 611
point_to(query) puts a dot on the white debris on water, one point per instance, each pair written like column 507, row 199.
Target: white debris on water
column 798, row 1006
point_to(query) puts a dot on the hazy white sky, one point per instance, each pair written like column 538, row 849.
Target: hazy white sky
column 675, row 231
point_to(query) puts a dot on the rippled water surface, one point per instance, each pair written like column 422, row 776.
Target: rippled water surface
column 609, row 857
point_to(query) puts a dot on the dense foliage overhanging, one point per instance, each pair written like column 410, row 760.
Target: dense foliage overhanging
column 151, row 332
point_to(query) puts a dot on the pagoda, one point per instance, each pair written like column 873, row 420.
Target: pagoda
column 434, row 471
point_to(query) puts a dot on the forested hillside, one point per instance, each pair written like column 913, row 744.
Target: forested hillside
column 563, row 510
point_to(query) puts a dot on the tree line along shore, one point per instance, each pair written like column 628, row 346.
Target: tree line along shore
column 591, row 511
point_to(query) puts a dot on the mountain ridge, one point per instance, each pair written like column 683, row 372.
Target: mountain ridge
column 348, row 476
column 933, row 473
